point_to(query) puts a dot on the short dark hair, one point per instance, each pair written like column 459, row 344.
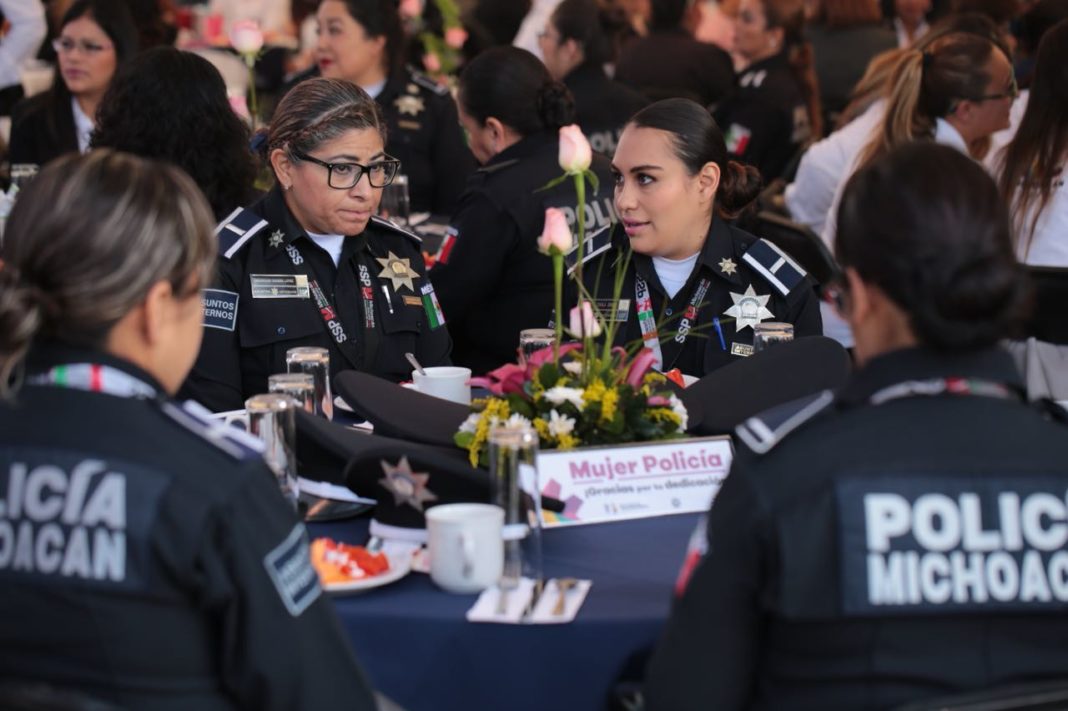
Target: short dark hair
column 511, row 85
column 667, row 14
column 595, row 26
column 926, row 225
column 697, row 140
column 115, row 19
column 149, row 110
column 380, row 18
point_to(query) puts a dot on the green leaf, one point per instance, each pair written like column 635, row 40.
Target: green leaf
column 463, row 439
column 553, row 183
column 548, row 374
column 592, row 178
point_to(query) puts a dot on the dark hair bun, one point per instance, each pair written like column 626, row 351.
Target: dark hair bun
column 556, row 107
column 739, row 187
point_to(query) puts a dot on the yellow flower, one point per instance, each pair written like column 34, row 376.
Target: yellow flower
column 567, row 441
column 663, row 414
column 608, row 405
column 496, row 410
column 654, row 378
column 542, row 428
column 595, row 391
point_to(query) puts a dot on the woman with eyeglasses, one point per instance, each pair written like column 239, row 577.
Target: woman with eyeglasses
column 310, row 265
column 95, row 38
column 903, row 538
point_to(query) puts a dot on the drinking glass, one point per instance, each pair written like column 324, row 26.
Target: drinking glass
column 314, row 362
column 771, row 333
column 272, row 418
column 396, row 204
column 299, row 386
column 514, row 481
column 532, row 340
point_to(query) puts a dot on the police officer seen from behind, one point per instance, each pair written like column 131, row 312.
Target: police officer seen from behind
column 577, row 42
column 491, row 279
column 147, row 558
column 310, row 265
column 695, row 285
column 361, row 41
column 775, row 108
column 904, row 538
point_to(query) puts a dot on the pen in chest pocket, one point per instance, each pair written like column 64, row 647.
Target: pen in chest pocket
column 389, row 300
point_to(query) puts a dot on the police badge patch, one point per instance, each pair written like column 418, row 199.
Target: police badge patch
column 289, row 566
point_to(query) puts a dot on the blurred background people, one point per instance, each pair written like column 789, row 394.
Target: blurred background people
column 768, row 618
column 96, row 37
column 155, row 527
column 577, row 43
column 910, row 21
column 149, row 109
column 775, row 109
column 364, row 280
column 1034, row 165
column 491, row 280
column 670, row 62
column 845, row 37
column 362, row 41
column 28, row 28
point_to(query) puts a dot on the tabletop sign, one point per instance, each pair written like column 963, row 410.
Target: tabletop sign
column 599, row 484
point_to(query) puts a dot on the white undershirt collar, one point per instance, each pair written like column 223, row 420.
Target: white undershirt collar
column 674, row 273
column 331, row 243
column 83, row 125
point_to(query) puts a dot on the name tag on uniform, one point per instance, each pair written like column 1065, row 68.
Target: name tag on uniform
column 741, row 349
column 280, row 286
column 604, row 306
column 412, row 301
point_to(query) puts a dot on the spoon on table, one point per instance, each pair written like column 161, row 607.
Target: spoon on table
column 563, row 587
column 415, row 363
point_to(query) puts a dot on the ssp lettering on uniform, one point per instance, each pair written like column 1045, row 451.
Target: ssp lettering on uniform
column 70, row 518
column 942, row 545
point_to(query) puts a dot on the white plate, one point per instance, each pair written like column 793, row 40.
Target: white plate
column 397, row 570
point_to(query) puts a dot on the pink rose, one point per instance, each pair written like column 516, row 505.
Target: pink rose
column 246, row 37
column 556, row 234
column 584, row 321
column 455, row 37
column 575, row 152
column 641, row 364
column 410, row 8
column 239, row 105
column 432, row 63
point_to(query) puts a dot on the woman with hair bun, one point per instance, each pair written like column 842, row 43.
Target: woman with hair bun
column 707, row 282
column 836, row 574
column 490, row 278
column 130, row 521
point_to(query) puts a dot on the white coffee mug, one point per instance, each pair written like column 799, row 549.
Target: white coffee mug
column 466, row 547
column 446, row 381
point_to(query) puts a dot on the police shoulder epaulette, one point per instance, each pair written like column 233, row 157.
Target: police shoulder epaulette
column 775, row 265
column 390, row 224
column 199, row 420
column 427, row 83
column 239, row 227
column 762, row 432
column 596, row 243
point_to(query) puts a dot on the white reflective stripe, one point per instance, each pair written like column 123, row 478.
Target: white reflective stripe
column 587, row 256
column 778, row 265
column 789, row 260
column 245, row 238
column 772, row 279
column 225, row 222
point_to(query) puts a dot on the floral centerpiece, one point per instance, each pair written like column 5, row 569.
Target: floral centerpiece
column 441, row 52
column 587, row 392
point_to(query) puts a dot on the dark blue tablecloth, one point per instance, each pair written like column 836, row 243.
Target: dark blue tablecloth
column 417, row 647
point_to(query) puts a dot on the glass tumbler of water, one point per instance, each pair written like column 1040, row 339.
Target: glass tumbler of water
column 299, row 386
column 316, row 363
column 272, row 418
column 771, row 333
column 396, row 203
column 514, row 483
column 532, row 340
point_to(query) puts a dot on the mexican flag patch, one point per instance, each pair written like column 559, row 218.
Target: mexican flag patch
column 432, row 307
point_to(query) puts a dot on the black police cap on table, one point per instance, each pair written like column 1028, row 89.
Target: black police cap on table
column 727, row 396
column 401, row 412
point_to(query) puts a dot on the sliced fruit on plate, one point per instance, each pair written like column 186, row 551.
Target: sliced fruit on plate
column 341, row 563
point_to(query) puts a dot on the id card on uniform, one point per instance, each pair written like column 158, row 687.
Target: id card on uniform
column 280, row 286
column 622, row 311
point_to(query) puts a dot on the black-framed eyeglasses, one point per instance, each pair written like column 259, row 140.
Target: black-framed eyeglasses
column 342, row 176
column 1011, row 93
column 66, row 45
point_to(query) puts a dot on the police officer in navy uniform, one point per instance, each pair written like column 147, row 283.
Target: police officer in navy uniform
column 695, row 285
column 578, row 40
column 309, row 265
column 490, row 277
column 904, row 538
column 773, row 110
column 361, row 41
column 147, row 557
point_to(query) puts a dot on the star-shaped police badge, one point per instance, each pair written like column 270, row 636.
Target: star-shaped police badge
column 407, row 104
column 727, row 266
column 397, row 270
column 749, row 309
column 276, row 238
column 406, row 486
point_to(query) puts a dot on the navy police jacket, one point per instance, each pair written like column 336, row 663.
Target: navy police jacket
column 379, row 305
column 148, row 560
column 905, row 539
column 738, row 281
